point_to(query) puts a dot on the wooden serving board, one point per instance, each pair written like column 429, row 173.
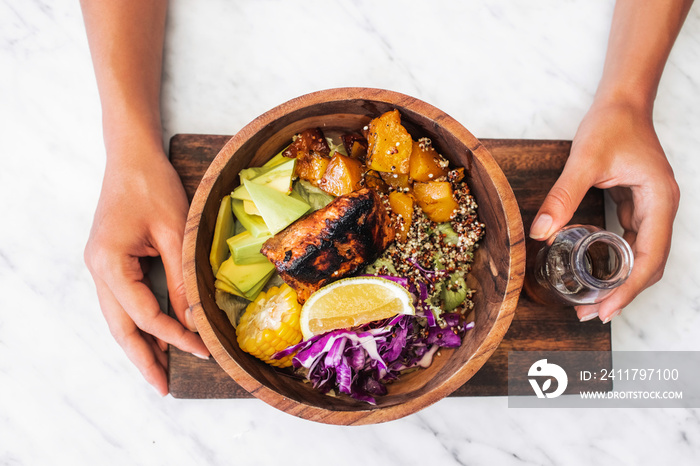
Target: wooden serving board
column 532, row 167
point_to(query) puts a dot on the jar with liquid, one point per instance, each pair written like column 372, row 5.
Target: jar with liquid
column 580, row 264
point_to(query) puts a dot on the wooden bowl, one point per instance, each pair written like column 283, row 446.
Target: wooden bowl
column 497, row 274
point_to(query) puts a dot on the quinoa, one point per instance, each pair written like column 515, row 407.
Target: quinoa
column 429, row 248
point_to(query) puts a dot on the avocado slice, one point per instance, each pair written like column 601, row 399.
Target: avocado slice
column 227, row 287
column 278, row 177
column 255, row 291
column 243, row 277
column 245, row 248
column 237, row 226
column 223, row 230
column 277, row 159
column 253, row 223
column 250, row 295
column 277, row 210
column 454, row 291
column 250, row 209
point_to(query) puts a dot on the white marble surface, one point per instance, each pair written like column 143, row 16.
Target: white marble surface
column 68, row 395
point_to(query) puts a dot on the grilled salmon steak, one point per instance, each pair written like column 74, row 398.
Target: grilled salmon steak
column 333, row 242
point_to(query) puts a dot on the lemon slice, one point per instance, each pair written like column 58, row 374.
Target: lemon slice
column 353, row 301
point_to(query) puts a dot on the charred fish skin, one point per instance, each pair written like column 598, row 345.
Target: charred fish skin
column 333, row 242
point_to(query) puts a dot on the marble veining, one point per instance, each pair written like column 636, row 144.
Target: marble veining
column 68, row 395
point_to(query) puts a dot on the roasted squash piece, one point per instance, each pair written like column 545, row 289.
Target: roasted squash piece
column 311, row 166
column 395, row 180
column 355, row 145
column 343, row 175
column 402, row 205
column 436, row 200
column 306, row 141
column 390, row 145
column 374, row 181
column 425, row 163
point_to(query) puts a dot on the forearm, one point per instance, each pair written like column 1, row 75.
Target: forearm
column 126, row 44
column 641, row 38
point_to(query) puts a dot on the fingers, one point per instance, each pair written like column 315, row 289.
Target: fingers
column 170, row 247
column 151, row 361
column 561, row 202
column 650, row 238
column 137, row 300
column 586, row 313
column 651, row 248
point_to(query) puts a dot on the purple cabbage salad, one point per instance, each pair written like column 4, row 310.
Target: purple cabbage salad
column 359, row 362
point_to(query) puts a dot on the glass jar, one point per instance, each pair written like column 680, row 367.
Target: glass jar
column 580, row 264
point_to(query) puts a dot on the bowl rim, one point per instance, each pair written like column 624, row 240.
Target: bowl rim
column 516, row 242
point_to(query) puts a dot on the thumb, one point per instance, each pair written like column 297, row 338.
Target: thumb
column 561, row 202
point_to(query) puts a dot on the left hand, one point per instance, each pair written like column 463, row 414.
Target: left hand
column 616, row 148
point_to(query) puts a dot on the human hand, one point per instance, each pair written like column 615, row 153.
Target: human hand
column 142, row 212
column 616, row 148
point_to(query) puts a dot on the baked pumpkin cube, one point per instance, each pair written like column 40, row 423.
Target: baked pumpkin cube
column 355, row 146
column 425, row 163
column 373, row 180
column 390, row 145
column 311, row 166
column 308, row 140
column 395, row 180
column 402, row 205
column 343, row 175
column 436, row 199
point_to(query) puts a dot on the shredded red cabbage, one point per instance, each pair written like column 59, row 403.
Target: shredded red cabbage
column 359, row 362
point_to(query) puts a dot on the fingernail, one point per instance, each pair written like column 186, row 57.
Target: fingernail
column 189, row 320
column 201, row 356
column 612, row 316
column 540, row 227
column 587, row 317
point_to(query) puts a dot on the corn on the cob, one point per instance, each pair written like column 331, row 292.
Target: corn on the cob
column 270, row 324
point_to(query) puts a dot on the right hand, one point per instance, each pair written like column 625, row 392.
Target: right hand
column 142, row 212
column 616, row 148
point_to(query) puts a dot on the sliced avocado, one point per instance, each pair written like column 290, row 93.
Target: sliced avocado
column 315, row 197
column 227, row 287
column 245, row 248
column 253, row 223
column 295, row 194
column 243, row 277
column 238, row 227
column 252, row 172
column 241, row 193
column 454, row 292
column 223, row 230
column 277, row 159
column 277, row 210
column 250, row 209
column 253, row 292
column 278, row 177
column 451, row 236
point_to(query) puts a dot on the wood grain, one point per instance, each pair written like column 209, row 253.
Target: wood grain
column 531, row 167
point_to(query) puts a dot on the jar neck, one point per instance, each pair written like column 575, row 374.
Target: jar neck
column 602, row 260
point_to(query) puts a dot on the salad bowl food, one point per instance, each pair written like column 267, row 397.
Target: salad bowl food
column 496, row 275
